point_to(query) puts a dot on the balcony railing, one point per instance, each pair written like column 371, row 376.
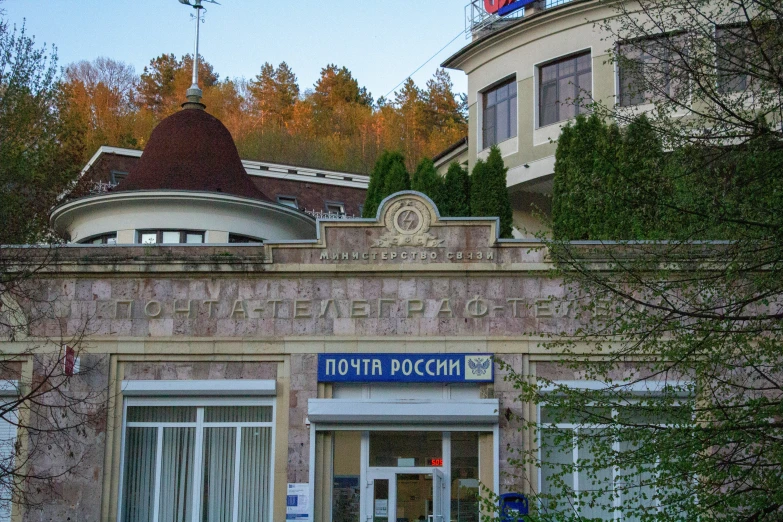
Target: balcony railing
column 101, row 187
column 318, row 214
column 478, row 21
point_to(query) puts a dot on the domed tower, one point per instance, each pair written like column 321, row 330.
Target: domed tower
column 188, row 187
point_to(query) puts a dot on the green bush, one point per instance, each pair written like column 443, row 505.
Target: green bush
column 382, row 181
column 456, row 192
column 488, row 191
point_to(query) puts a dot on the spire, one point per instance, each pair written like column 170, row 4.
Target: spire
column 194, row 93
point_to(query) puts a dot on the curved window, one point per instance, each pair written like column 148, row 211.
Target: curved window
column 500, row 113
column 239, row 238
column 103, row 239
column 170, row 237
column 565, row 87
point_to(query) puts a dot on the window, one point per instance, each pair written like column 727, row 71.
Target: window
column 117, row 176
column 500, row 113
column 239, row 238
column 192, row 463
column 103, row 239
column 8, row 425
column 288, row 201
column 151, row 237
column 743, row 55
column 649, row 69
column 566, row 439
column 335, row 208
column 564, row 88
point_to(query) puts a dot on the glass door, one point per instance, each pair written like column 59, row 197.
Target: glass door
column 412, row 495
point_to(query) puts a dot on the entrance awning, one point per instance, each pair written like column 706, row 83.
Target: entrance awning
column 479, row 411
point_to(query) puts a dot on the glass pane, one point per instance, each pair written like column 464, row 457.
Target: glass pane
column 566, row 68
column 217, row 504
column 380, row 504
column 176, row 475
column 254, row 471
column 464, row 477
column 194, row 238
column 405, row 448
column 414, row 496
column 512, row 89
column 491, row 98
column 170, row 237
column 636, row 486
column 549, row 72
column 595, row 486
column 149, row 238
column 238, row 414
column 97, row 241
column 512, row 117
column 288, row 202
column 566, row 97
column 112, row 240
column 138, row 489
column 585, row 88
column 556, row 478
column 502, row 92
column 502, row 124
column 565, row 415
column 646, row 415
column 346, row 466
column 548, row 113
column 161, row 414
column 583, row 63
column 489, row 127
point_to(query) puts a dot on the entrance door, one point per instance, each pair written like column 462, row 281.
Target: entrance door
column 411, row 495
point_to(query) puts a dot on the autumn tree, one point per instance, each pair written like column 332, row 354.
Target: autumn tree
column 103, row 94
column 274, row 93
column 50, row 412
column 164, row 81
column 410, row 105
column 40, row 138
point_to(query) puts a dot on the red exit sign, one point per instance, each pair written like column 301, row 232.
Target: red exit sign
column 436, row 462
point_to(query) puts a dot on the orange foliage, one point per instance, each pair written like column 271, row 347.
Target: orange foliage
column 335, row 125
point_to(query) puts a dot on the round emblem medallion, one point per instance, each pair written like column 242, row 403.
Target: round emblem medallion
column 408, row 220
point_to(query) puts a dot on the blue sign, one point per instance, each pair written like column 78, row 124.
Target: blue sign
column 510, row 8
column 405, row 367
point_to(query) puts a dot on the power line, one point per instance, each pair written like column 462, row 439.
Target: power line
column 425, row 63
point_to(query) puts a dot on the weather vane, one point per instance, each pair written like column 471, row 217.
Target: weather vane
column 194, row 92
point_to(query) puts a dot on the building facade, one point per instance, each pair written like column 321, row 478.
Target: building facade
column 357, row 373
column 527, row 77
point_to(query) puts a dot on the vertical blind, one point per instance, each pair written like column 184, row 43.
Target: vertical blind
column 194, row 464
column 7, row 457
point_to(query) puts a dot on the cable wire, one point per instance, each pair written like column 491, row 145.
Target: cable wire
column 425, row 63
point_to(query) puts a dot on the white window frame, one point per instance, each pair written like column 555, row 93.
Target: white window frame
column 9, row 392
column 286, row 201
column 200, row 403
column 337, row 204
column 641, row 389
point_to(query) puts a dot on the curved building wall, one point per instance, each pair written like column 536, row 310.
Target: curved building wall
column 517, row 52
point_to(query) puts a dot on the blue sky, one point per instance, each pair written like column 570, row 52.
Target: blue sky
column 381, row 42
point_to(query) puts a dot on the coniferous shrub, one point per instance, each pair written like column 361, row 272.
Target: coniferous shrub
column 377, row 189
column 488, row 191
column 397, row 179
column 427, row 181
column 456, row 192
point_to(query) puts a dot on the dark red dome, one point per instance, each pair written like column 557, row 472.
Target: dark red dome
column 191, row 150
